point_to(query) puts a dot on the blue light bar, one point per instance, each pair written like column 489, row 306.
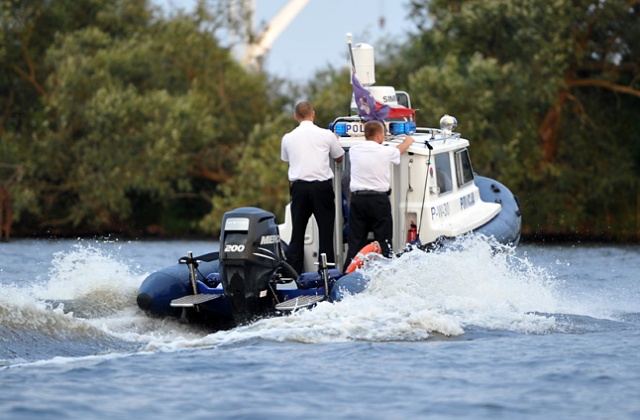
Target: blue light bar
column 339, row 128
column 348, row 128
column 397, row 128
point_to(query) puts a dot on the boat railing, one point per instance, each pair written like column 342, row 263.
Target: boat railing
column 442, row 134
column 351, row 118
column 339, row 127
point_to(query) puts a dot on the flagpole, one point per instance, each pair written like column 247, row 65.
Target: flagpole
column 353, row 62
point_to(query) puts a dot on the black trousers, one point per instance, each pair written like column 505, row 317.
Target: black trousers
column 317, row 199
column 369, row 213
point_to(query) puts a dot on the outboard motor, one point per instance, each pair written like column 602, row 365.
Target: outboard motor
column 249, row 254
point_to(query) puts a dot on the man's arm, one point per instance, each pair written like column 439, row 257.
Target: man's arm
column 336, row 149
column 402, row 147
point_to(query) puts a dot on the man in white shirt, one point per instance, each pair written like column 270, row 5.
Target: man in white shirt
column 370, row 209
column 308, row 149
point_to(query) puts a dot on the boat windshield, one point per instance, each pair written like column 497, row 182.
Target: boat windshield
column 443, row 173
column 464, row 171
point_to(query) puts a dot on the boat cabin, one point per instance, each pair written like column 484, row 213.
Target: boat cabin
column 432, row 189
column 433, row 193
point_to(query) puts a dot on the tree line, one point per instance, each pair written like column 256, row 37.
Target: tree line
column 116, row 118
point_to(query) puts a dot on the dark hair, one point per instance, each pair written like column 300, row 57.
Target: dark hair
column 304, row 110
column 371, row 128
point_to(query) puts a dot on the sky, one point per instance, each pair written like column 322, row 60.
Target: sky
column 317, row 36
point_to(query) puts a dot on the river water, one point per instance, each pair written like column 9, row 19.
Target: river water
column 542, row 331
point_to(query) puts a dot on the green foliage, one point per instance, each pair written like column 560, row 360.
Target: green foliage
column 498, row 127
column 261, row 176
column 535, row 86
column 114, row 117
column 134, row 107
column 330, row 92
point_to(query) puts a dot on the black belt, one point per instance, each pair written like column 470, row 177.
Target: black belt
column 299, row 181
column 368, row 192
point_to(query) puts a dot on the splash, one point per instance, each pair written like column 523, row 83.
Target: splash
column 472, row 285
column 66, row 312
column 90, row 279
column 417, row 296
column 85, row 304
column 19, row 310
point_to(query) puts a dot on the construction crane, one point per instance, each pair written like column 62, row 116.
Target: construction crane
column 256, row 51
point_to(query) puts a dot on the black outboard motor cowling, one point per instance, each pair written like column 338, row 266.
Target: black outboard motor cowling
column 249, row 255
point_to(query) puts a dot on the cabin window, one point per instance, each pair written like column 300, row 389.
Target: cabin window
column 403, row 99
column 464, row 171
column 443, row 173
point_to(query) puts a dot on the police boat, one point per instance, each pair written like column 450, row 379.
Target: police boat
column 435, row 197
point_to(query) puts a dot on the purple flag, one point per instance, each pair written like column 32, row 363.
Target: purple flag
column 366, row 103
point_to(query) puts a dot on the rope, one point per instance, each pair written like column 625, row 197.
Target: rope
column 424, row 193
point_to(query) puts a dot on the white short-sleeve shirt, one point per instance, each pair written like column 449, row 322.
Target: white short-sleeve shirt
column 307, row 149
column 371, row 166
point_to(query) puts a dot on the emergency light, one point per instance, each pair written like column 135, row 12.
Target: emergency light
column 339, row 128
column 349, row 129
column 397, row 128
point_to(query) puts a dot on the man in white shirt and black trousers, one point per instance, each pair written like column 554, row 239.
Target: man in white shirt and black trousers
column 308, row 149
column 370, row 209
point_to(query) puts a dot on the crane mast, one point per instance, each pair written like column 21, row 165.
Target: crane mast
column 256, row 51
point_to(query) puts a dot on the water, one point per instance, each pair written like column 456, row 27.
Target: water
column 539, row 332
